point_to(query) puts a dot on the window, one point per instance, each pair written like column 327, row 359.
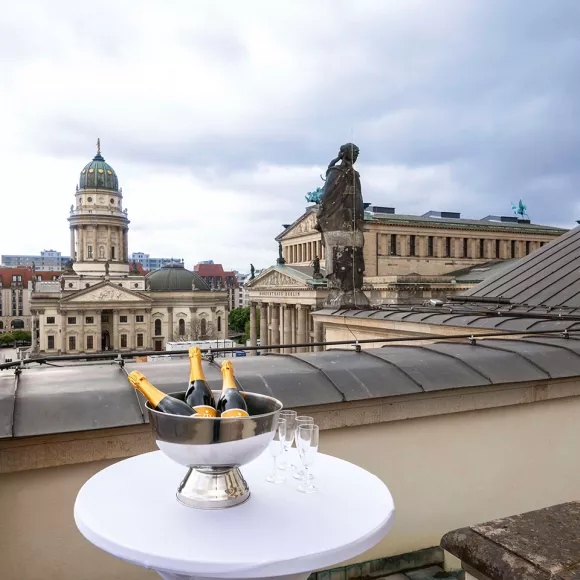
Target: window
column 139, row 318
column 157, row 327
column 411, row 245
column 90, row 320
column 104, row 318
column 497, row 249
column 89, row 251
column 203, row 327
column 112, row 252
column 90, row 342
column 430, row 246
column 448, row 247
column 527, row 248
column 542, row 244
column 71, row 320
column 139, row 339
column 482, row 248
column 513, row 249
column 101, row 252
column 50, row 320
column 219, row 323
column 393, row 244
column 72, row 342
column 122, row 319
column 50, row 342
column 465, row 248
column 181, row 325
column 123, row 341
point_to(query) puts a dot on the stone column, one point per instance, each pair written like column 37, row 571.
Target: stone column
column 253, row 329
column 80, row 244
column 275, row 326
column 108, row 250
column 121, row 244
column 115, row 337
column 148, row 338
column 98, row 345
column 125, row 245
column 170, row 324
column 264, row 324
column 132, row 342
column 287, row 326
column 95, row 237
column 192, row 312
column 318, row 335
column 63, row 343
column 293, row 323
column 82, row 346
column 72, row 243
column 302, row 335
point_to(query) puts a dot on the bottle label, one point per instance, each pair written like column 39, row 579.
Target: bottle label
column 204, row 411
column 235, row 413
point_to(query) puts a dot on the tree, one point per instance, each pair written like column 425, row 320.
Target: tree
column 238, row 319
column 246, row 335
column 6, row 339
column 22, row 335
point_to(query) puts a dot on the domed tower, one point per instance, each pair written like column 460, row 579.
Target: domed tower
column 98, row 223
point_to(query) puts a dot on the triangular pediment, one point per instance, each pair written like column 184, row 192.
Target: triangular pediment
column 303, row 225
column 277, row 277
column 106, row 292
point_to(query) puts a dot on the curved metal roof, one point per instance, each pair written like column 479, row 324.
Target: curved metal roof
column 48, row 399
column 175, row 278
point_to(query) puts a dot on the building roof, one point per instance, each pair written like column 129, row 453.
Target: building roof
column 480, row 272
column 214, row 270
column 27, row 274
column 174, row 278
column 59, row 400
column 98, row 174
column 548, row 277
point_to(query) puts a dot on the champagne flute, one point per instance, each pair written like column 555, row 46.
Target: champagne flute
column 302, row 420
column 288, row 439
column 307, row 443
column 276, row 449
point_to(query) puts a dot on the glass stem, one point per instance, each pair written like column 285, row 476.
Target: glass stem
column 305, row 472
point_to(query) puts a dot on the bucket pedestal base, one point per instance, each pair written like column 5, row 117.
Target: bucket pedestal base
column 213, row 489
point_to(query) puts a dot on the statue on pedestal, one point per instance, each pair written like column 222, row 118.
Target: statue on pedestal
column 280, row 261
column 107, row 268
column 340, row 219
column 316, row 266
column 252, row 272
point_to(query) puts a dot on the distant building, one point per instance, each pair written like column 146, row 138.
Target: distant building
column 16, row 284
column 48, row 261
column 218, row 279
column 151, row 264
column 243, row 296
column 102, row 301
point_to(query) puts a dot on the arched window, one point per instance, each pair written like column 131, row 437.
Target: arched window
column 1, row 324
column 17, row 323
column 203, row 327
column 219, row 323
column 158, row 327
column 112, row 252
column 181, row 327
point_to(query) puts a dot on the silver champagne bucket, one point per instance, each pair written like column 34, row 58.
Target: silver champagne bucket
column 214, row 449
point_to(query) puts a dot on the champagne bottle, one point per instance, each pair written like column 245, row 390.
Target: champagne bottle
column 231, row 403
column 199, row 395
column 158, row 400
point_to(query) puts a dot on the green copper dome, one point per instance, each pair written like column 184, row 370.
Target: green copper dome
column 98, row 174
column 174, row 278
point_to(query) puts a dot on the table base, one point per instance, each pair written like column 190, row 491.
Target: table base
column 169, row 576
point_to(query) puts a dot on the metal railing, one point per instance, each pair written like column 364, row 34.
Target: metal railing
column 120, row 356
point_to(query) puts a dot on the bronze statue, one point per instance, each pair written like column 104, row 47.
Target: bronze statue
column 61, row 283
column 316, row 268
column 252, row 272
column 107, row 268
column 280, row 261
column 340, row 219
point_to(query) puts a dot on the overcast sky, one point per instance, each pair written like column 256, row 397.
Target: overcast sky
column 219, row 116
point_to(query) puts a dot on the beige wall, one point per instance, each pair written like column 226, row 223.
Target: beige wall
column 450, row 459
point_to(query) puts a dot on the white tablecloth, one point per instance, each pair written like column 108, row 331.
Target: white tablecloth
column 129, row 510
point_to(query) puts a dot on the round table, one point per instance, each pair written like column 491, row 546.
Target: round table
column 130, row 511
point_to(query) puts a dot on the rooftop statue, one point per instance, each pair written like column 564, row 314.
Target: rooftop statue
column 520, row 210
column 340, row 219
column 280, row 261
column 314, row 196
column 252, row 272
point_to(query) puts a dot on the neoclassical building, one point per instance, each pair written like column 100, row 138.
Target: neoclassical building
column 101, row 302
column 408, row 259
